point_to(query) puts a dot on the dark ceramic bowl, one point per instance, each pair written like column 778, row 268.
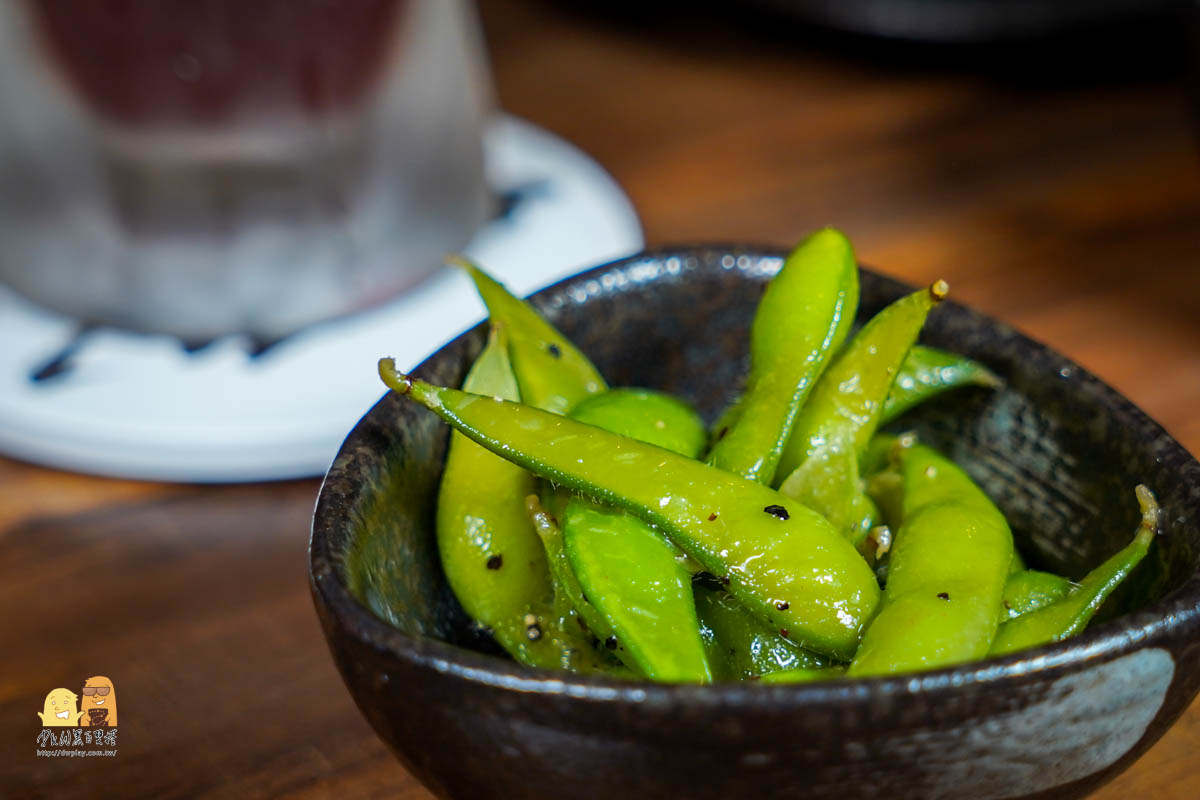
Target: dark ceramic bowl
column 1056, row 448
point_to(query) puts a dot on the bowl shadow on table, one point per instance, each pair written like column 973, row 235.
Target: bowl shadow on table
column 1056, row 449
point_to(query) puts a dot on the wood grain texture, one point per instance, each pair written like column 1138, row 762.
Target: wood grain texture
column 1072, row 212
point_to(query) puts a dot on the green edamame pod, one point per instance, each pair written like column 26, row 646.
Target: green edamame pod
column 925, row 373
column 803, row 317
column 948, row 565
column 804, row 674
column 573, row 601
column 785, row 562
column 629, row 571
column 821, row 460
column 1072, row 614
column 631, row 576
column 552, row 374
column 741, row 646
column 551, row 371
column 928, row 372
column 1028, row 590
column 491, row 556
column 646, row 415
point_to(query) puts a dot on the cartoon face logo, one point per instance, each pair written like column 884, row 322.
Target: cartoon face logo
column 59, row 709
column 99, row 706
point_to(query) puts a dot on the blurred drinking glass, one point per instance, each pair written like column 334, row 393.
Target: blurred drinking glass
column 203, row 167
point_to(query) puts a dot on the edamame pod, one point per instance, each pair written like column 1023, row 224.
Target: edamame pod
column 804, row 674
column 925, row 373
column 948, row 565
column 629, row 571
column 490, row 554
column 551, row 371
column 646, row 415
column 928, row 372
column 573, row 602
column 1028, row 590
column 785, row 562
column 631, row 576
column 551, row 374
column 1072, row 614
column 741, row 646
column 803, row 317
column 821, row 460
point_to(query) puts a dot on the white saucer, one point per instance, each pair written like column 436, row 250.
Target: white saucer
column 138, row 406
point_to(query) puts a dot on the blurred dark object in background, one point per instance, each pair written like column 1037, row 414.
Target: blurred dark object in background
column 1049, row 42
column 972, row 21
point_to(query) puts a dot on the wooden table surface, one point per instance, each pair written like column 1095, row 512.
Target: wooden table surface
column 1072, row 212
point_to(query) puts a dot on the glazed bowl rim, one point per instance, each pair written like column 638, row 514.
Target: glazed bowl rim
column 1178, row 611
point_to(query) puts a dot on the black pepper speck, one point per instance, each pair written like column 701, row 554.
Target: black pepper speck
column 495, row 562
column 777, row 511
